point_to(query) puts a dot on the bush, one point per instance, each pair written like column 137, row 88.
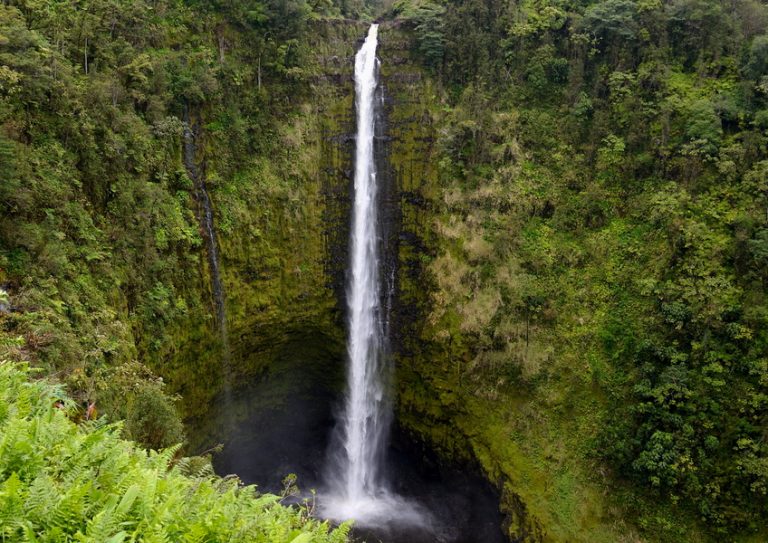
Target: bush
column 81, row 482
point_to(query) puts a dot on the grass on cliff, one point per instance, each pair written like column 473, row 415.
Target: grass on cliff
column 63, row 481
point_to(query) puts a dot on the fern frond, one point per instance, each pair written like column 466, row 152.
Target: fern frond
column 164, row 458
column 67, row 482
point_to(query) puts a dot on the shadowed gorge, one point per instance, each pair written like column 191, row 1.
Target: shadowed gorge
column 283, row 427
column 568, row 292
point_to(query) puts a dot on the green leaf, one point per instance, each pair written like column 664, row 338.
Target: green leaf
column 130, row 496
column 117, row 538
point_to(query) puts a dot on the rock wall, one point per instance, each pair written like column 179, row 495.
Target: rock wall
column 431, row 403
column 283, row 264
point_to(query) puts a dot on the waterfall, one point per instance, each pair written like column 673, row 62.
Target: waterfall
column 359, row 489
column 357, row 475
column 364, row 418
column 212, row 246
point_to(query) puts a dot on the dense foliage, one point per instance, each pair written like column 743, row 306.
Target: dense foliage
column 102, row 258
column 602, row 246
column 62, row 481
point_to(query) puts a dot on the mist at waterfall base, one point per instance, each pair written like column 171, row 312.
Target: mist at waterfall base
column 284, row 424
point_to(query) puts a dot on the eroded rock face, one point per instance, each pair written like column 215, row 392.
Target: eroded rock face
column 286, row 284
column 283, row 266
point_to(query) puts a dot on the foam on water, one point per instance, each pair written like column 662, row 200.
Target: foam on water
column 378, row 511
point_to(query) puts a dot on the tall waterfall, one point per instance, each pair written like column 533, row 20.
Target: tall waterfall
column 359, row 489
column 364, row 419
column 357, row 475
column 364, row 422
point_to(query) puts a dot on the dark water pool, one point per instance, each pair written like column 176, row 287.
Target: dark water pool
column 280, row 425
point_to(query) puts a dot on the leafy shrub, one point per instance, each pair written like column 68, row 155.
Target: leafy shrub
column 66, row 482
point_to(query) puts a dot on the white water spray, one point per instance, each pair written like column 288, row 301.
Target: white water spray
column 359, row 489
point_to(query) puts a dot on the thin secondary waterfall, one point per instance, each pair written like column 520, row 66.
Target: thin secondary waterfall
column 364, row 419
column 212, row 246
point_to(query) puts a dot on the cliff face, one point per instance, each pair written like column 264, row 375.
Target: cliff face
column 431, row 398
column 284, row 265
column 283, row 258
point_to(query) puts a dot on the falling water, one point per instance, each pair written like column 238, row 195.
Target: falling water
column 364, row 422
column 212, row 246
column 359, row 489
column 364, row 418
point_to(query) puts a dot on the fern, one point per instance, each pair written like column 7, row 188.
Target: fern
column 41, row 499
column 64, row 482
column 11, row 506
column 164, row 458
column 102, row 526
